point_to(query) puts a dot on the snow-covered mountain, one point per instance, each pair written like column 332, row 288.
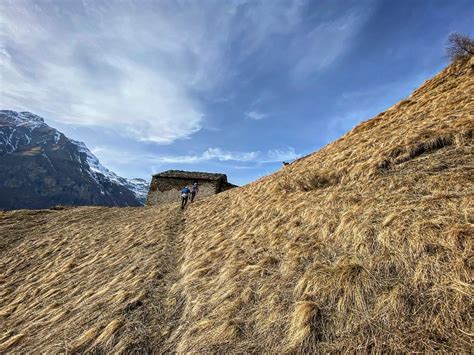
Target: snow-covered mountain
column 41, row 167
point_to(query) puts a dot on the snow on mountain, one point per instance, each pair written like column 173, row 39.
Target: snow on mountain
column 16, row 129
column 27, row 132
column 24, row 119
column 138, row 186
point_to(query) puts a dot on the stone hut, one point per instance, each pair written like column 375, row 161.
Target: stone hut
column 165, row 186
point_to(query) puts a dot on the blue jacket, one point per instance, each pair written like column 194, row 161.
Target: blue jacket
column 185, row 191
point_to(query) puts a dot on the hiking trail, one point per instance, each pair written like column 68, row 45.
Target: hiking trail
column 154, row 319
column 172, row 303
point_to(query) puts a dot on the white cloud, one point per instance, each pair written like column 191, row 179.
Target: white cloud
column 136, row 67
column 94, row 71
column 280, row 155
column 223, row 155
column 211, row 154
column 218, row 154
column 142, row 68
column 255, row 115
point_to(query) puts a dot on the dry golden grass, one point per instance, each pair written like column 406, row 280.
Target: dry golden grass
column 365, row 245
column 87, row 278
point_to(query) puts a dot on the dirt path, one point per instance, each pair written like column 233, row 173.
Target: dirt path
column 174, row 303
column 154, row 321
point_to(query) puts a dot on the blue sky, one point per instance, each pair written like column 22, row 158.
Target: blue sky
column 220, row 86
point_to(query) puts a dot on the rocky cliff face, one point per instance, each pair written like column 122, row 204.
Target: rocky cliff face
column 40, row 167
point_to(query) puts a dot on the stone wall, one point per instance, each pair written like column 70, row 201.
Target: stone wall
column 166, row 190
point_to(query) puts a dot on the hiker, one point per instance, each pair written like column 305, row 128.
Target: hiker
column 184, row 196
column 194, row 191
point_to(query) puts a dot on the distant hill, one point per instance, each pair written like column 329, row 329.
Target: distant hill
column 364, row 246
column 40, row 167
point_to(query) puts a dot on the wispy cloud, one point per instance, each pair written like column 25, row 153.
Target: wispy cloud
column 332, row 37
column 137, row 67
column 255, row 115
column 280, row 155
column 211, row 154
column 142, row 68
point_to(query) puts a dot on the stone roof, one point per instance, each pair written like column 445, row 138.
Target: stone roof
column 191, row 175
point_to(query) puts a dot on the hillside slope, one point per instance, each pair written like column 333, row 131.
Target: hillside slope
column 365, row 245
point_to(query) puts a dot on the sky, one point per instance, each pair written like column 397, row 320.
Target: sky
column 235, row 87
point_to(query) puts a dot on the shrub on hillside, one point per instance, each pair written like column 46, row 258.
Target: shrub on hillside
column 459, row 46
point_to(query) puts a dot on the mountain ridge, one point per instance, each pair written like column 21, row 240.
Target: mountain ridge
column 28, row 146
